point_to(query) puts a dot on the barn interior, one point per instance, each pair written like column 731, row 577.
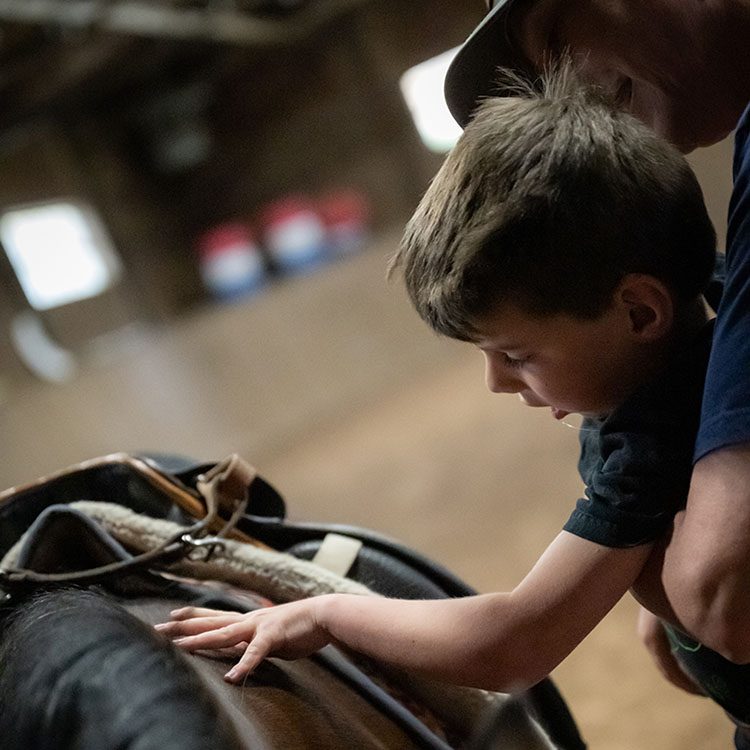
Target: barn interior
column 244, row 169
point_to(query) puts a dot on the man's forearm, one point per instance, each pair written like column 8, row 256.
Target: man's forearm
column 706, row 571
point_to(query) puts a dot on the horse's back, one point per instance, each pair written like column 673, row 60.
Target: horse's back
column 291, row 705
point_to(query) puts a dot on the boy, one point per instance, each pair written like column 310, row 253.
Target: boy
column 572, row 246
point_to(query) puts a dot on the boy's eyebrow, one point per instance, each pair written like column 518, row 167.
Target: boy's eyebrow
column 501, row 345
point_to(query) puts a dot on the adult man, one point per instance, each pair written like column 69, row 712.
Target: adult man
column 683, row 67
column 679, row 65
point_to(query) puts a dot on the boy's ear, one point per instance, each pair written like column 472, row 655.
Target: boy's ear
column 649, row 305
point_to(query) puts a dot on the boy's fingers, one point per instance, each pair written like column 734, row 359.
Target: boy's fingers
column 223, row 637
column 185, row 613
column 230, row 652
column 195, row 625
column 254, row 654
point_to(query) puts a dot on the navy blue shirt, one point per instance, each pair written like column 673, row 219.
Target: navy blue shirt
column 725, row 419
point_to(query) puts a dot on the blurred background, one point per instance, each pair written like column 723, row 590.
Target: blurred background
column 198, row 200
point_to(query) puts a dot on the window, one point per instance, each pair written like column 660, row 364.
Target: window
column 60, row 252
column 422, row 87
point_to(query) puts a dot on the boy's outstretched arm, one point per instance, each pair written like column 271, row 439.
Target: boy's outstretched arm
column 506, row 641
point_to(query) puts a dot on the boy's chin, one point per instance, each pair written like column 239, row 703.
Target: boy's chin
column 576, row 417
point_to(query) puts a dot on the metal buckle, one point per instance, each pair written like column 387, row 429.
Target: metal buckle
column 208, row 543
column 5, row 595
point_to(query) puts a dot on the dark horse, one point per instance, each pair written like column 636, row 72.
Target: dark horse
column 81, row 666
column 79, row 672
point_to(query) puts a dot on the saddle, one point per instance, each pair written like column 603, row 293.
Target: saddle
column 115, row 520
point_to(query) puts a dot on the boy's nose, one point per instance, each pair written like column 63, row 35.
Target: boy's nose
column 499, row 378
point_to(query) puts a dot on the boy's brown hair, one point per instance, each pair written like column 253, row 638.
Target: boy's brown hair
column 548, row 199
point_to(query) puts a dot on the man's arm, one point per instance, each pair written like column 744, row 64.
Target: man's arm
column 506, row 641
column 706, row 571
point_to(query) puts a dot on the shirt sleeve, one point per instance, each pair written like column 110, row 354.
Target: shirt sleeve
column 631, row 498
column 637, row 466
column 725, row 418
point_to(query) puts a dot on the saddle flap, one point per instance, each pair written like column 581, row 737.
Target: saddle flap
column 62, row 539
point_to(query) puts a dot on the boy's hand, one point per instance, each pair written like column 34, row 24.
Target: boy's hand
column 655, row 639
column 288, row 631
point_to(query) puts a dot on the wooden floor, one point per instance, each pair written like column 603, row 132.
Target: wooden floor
column 358, row 414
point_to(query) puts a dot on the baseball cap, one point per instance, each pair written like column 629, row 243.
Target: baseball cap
column 472, row 73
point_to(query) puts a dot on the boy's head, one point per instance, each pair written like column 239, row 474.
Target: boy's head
column 548, row 200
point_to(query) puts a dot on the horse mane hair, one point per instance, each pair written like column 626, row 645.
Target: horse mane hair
column 79, row 672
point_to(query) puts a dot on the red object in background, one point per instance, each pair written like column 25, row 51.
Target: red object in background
column 294, row 234
column 231, row 264
column 346, row 216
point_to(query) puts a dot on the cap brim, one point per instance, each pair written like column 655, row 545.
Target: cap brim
column 473, row 72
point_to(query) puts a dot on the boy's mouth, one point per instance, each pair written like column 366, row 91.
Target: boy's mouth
column 530, row 400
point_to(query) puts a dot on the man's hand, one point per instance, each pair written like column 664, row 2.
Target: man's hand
column 288, row 631
column 655, row 639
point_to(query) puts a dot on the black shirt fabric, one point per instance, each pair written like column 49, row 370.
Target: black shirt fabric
column 636, row 463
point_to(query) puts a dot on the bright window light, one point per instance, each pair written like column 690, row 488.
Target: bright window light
column 60, row 252
column 422, row 87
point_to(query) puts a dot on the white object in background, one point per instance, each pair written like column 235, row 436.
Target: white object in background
column 422, row 88
column 61, row 253
column 231, row 263
column 294, row 234
column 46, row 359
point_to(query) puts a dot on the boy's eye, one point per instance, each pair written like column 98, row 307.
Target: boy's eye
column 513, row 361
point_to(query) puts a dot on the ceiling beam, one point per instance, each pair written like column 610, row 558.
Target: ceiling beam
column 144, row 19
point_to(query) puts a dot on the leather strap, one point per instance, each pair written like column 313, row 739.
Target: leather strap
column 337, row 553
column 225, row 488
